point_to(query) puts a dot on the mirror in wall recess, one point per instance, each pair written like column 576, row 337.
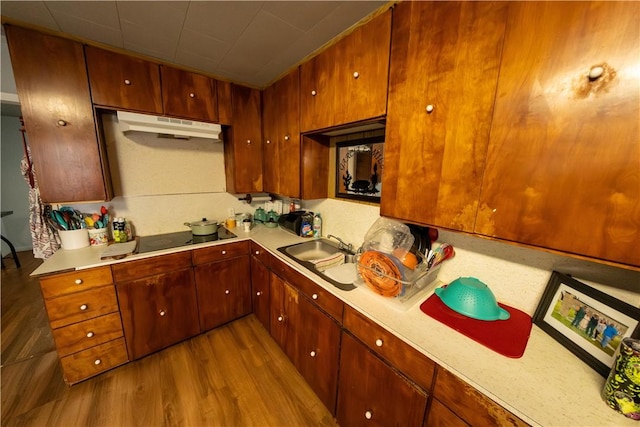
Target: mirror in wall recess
column 359, row 168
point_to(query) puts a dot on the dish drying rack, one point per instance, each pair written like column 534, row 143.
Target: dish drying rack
column 412, row 282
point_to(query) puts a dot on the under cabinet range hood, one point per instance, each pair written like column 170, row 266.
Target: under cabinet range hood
column 168, row 127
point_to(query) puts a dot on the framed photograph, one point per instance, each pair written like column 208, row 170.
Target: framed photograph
column 359, row 168
column 585, row 320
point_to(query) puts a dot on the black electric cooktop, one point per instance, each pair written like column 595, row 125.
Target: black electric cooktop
column 159, row 242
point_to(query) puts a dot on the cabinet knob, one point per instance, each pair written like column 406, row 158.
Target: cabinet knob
column 314, row 296
column 429, row 108
column 83, row 307
column 78, row 282
column 258, row 293
column 368, row 415
column 97, row 362
column 89, row 334
column 596, row 72
column 286, row 137
column 224, row 252
column 280, row 318
column 192, row 95
column 248, row 141
column 227, row 292
column 314, row 93
column 356, row 74
column 127, row 82
column 268, row 141
column 61, row 122
column 313, row 353
column 162, row 313
column 257, row 252
column 379, row 342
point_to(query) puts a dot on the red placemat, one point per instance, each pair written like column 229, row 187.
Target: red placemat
column 507, row 337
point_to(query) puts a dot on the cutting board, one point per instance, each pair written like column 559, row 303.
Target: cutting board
column 507, row 337
column 119, row 250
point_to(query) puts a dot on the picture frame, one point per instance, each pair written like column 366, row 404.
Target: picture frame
column 566, row 312
column 359, row 169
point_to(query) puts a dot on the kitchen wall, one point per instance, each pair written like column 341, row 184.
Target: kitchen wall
column 15, row 190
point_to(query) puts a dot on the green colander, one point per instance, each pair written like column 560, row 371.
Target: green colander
column 472, row 298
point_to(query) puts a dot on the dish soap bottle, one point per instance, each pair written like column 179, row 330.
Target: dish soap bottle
column 317, row 226
column 306, row 228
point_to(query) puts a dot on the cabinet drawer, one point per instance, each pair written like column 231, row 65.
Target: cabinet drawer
column 220, row 252
column 475, row 409
column 93, row 361
column 408, row 360
column 147, row 267
column 81, row 306
column 76, row 281
column 83, row 335
column 325, row 300
column 261, row 254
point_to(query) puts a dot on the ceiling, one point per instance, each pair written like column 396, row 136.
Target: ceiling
column 248, row 42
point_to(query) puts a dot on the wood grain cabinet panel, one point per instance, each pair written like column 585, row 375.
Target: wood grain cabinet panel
column 189, row 95
column 225, row 110
column 158, row 311
column 260, row 289
column 281, row 136
column 81, row 306
column 441, row 416
column 94, row 360
column 150, row 266
column 75, row 281
column 243, row 142
column 123, row 81
column 445, row 58
column 224, row 291
column 370, row 392
column 563, row 160
column 220, row 252
column 52, row 83
column 79, row 336
column 475, row 408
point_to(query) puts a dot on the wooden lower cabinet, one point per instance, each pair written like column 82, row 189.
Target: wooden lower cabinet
column 224, row 291
column 441, row 416
column 160, row 309
column 370, row 392
column 94, row 360
column 260, row 290
column 308, row 336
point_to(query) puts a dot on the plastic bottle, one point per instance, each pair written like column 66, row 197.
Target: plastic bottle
column 317, row 226
column 306, row 228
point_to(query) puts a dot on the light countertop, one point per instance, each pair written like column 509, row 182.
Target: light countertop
column 547, row 386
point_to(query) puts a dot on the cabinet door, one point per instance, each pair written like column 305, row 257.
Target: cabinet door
column 563, row 162
column 317, row 91
column 158, row 311
column 441, row 416
column 243, row 150
column 318, row 351
column 123, row 81
column 362, row 72
column 224, row 291
column 283, row 298
column 445, row 58
column 225, row 112
column 371, row 393
column 51, row 79
column 189, row 95
column 281, row 126
column 260, row 291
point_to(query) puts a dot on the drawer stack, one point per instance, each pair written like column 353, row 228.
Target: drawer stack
column 85, row 320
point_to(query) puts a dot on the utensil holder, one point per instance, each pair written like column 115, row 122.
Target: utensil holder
column 74, row 239
column 98, row 236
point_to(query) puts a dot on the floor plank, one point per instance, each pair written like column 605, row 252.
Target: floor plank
column 235, row 375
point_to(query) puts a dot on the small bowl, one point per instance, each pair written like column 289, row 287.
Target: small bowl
column 472, row 298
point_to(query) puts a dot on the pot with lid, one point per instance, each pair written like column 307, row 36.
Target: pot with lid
column 203, row 228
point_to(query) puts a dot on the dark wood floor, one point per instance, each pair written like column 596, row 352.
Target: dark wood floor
column 232, row 376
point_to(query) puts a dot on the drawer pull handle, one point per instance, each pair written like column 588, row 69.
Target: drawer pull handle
column 379, row 342
column 280, row 318
column 61, row 122
column 314, row 93
column 89, row 334
column 429, row 108
column 97, row 362
column 224, row 252
column 258, row 293
column 127, row 82
column 227, row 292
column 257, row 252
column 78, row 281
column 162, row 313
column 314, row 296
column 368, row 415
column 192, row 95
column 83, row 307
column 356, row 74
column 312, row 354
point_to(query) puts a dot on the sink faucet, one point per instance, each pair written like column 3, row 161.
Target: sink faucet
column 342, row 245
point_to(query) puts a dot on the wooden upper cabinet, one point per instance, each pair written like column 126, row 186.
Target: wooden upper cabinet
column 123, row 81
column 564, row 158
column 225, row 108
column 189, row 95
column 243, row 142
column 281, row 136
column 51, row 79
column 445, row 58
column 347, row 82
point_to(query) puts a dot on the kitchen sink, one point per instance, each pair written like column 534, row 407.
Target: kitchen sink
column 325, row 259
